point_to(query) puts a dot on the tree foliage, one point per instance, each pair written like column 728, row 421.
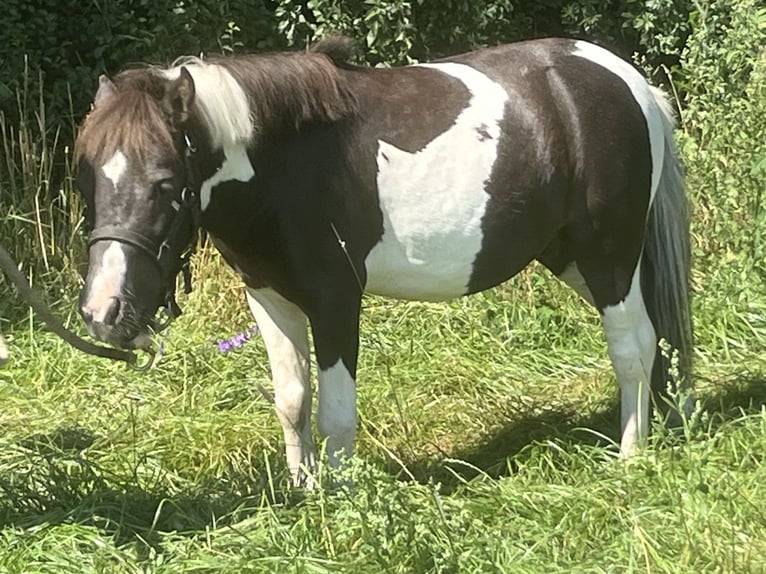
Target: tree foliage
column 65, row 44
column 68, row 43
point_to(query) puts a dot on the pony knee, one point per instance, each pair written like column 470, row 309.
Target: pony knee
column 292, row 399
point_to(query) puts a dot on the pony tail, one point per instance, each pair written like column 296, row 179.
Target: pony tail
column 666, row 263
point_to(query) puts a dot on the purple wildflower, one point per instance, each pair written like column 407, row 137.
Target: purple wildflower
column 237, row 340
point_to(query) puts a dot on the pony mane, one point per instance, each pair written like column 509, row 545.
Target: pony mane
column 289, row 89
column 236, row 97
column 219, row 99
column 340, row 49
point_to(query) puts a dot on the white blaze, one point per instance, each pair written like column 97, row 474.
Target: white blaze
column 107, row 281
column 433, row 200
column 115, row 168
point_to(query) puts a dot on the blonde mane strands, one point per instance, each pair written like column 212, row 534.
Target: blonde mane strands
column 219, row 99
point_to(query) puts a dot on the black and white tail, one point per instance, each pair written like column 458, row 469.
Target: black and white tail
column 666, row 262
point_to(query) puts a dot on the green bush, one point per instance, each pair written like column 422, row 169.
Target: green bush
column 66, row 44
column 724, row 129
column 71, row 42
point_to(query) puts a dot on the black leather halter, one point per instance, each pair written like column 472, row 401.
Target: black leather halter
column 172, row 255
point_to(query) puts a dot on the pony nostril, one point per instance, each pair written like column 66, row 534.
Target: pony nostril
column 110, row 318
column 87, row 314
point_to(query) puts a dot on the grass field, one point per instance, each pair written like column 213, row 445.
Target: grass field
column 486, row 444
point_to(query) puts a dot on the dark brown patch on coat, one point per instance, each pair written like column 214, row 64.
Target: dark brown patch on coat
column 408, row 107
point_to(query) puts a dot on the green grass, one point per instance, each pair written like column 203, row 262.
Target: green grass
column 486, row 444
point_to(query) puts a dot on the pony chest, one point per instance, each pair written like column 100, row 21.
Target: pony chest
column 433, row 200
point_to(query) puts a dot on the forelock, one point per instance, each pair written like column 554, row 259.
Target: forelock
column 132, row 120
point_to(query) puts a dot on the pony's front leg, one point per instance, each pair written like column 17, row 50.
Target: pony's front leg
column 336, row 341
column 283, row 327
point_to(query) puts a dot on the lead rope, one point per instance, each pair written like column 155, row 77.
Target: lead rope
column 11, row 270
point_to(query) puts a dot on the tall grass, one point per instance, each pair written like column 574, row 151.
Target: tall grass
column 39, row 213
column 476, row 454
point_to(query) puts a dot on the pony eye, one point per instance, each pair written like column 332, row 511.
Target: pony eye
column 164, row 187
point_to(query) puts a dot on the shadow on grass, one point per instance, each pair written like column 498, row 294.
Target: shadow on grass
column 53, row 482
column 737, row 395
column 507, row 449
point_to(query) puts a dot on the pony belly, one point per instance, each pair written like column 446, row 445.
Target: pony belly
column 432, row 208
column 429, row 269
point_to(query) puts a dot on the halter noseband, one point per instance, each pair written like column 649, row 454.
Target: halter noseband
column 172, row 255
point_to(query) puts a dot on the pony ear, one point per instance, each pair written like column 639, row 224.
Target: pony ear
column 105, row 90
column 179, row 96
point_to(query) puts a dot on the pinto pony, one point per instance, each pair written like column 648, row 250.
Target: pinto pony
column 319, row 181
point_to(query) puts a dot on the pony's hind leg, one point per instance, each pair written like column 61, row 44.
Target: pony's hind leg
column 631, row 343
column 284, row 330
column 572, row 277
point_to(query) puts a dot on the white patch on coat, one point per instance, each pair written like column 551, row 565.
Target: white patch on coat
column 221, row 100
column 284, row 330
column 107, row 281
column 632, row 343
column 236, row 166
column 433, row 200
column 336, row 412
column 225, row 106
column 643, row 94
column 115, row 168
column 3, row 350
